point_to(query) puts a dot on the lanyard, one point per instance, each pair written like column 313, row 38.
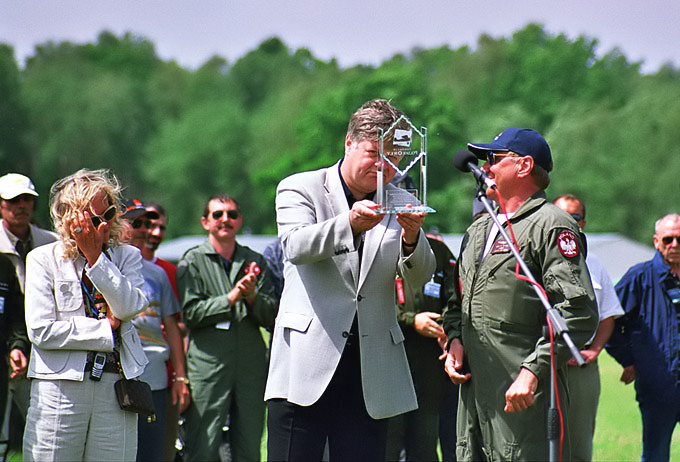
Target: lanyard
column 90, row 297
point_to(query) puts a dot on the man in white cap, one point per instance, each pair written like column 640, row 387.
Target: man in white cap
column 18, row 236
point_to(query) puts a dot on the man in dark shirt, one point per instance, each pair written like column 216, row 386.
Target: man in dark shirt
column 13, row 337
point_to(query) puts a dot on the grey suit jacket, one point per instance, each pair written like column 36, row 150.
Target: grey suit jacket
column 325, row 286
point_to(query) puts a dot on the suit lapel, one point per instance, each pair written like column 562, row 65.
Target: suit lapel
column 372, row 240
column 337, row 202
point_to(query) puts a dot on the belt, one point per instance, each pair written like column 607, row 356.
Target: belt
column 108, row 367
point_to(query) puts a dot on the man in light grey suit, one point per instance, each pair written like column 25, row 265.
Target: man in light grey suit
column 338, row 367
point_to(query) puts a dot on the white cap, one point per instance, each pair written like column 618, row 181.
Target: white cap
column 15, row 184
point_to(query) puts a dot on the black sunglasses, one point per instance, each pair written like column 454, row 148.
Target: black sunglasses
column 668, row 240
column 495, row 157
column 577, row 217
column 139, row 222
column 106, row 216
column 233, row 214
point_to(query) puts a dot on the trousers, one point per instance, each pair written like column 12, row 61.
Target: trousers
column 73, row 420
column 299, row 433
column 659, row 419
column 584, row 395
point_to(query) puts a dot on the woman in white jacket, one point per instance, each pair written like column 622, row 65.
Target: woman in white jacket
column 81, row 293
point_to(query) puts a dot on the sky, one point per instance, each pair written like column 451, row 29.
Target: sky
column 351, row 31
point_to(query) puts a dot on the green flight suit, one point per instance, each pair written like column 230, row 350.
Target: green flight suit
column 227, row 356
column 500, row 323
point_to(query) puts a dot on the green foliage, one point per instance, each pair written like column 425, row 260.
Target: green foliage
column 622, row 162
column 178, row 136
column 201, row 154
column 13, row 152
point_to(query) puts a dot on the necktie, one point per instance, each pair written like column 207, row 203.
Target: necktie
column 22, row 249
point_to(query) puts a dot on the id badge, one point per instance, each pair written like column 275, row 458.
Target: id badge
column 432, row 289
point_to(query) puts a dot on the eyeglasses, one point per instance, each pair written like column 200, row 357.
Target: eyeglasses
column 493, row 157
column 577, row 217
column 233, row 214
column 668, row 240
column 108, row 215
column 139, row 222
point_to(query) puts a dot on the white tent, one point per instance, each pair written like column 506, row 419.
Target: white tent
column 617, row 252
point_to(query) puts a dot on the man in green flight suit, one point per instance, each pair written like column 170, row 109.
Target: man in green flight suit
column 226, row 296
column 498, row 350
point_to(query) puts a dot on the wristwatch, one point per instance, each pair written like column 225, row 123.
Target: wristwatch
column 182, row 379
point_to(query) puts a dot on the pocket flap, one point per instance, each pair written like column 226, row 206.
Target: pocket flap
column 397, row 334
column 68, row 295
column 514, row 327
column 295, row 321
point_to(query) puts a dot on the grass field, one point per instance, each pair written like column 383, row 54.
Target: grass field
column 618, row 436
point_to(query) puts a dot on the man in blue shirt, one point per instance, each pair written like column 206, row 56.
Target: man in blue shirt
column 646, row 341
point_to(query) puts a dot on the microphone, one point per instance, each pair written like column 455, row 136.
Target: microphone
column 465, row 161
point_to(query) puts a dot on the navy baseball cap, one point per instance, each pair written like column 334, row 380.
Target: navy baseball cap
column 524, row 141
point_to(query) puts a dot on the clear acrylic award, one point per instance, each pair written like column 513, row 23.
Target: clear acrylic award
column 403, row 149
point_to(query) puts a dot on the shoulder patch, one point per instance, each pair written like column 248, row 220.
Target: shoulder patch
column 568, row 244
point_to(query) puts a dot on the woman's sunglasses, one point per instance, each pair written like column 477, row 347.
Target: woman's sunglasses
column 108, row 215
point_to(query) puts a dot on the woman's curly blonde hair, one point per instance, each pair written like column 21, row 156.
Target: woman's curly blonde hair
column 75, row 193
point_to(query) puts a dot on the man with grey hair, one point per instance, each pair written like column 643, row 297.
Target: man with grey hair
column 646, row 340
column 338, row 367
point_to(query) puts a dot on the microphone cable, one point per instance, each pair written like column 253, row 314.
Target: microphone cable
column 521, row 277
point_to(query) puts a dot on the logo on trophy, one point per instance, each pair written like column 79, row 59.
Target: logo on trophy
column 402, row 148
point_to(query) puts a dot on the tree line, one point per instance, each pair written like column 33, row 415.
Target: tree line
column 176, row 136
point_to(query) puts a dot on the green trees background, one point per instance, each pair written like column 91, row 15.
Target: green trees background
column 177, row 136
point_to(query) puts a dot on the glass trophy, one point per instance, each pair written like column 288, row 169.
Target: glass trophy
column 403, row 149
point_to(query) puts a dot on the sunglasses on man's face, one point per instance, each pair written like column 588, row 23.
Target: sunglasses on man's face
column 139, row 222
column 233, row 214
column 668, row 240
column 495, row 157
column 108, row 215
